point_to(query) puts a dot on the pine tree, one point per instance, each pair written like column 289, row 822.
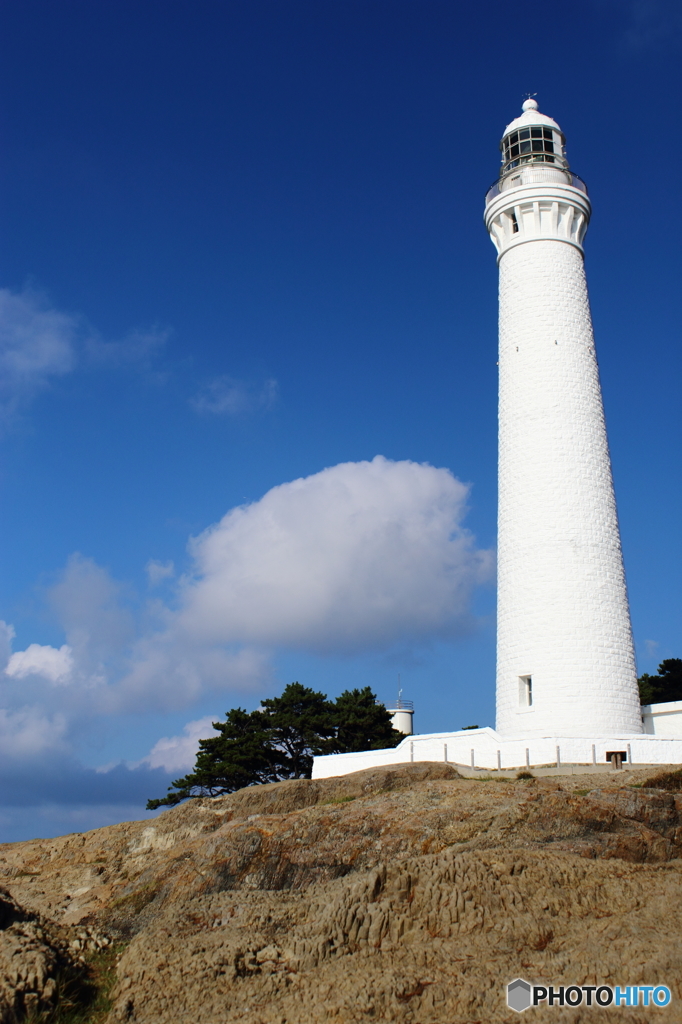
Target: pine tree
column 664, row 687
column 301, row 722
column 280, row 740
column 361, row 723
column 241, row 755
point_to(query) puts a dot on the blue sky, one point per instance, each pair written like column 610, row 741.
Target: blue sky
column 242, row 256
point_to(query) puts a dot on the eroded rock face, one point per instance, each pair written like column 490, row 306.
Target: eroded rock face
column 33, row 956
column 398, row 894
column 427, row 939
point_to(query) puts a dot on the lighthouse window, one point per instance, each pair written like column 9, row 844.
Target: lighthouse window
column 525, row 691
column 534, row 144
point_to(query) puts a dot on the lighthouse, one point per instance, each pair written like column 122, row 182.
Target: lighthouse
column 566, row 680
column 565, row 654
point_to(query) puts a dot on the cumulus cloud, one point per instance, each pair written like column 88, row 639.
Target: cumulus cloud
column 92, row 609
column 157, row 572
column 356, row 557
column 30, row 732
column 225, row 396
column 361, row 556
column 178, row 753
column 7, row 634
column 55, row 665
column 37, row 343
column 169, row 672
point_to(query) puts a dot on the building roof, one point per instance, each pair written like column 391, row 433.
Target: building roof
column 530, row 116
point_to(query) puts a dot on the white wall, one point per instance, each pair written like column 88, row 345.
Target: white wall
column 663, row 719
column 563, row 615
column 486, row 744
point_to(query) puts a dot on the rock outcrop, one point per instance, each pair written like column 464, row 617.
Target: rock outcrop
column 404, row 894
column 35, row 956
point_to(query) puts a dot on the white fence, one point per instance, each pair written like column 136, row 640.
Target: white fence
column 484, row 748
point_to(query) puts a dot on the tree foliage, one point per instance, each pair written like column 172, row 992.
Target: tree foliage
column 240, row 755
column 301, row 722
column 665, row 686
column 361, row 723
column 279, row 741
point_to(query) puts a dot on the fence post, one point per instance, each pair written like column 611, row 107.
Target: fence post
column 527, row 758
column 629, row 755
column 445, row 752
column 473, row 760
column 594, row 755
column 558, row 757
column 411, row 750
column 499, row 760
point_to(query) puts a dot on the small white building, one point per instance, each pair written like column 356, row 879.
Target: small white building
column 402, row 716
column 663, row 719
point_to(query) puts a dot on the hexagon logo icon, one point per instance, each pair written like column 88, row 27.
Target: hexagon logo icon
column 518, row 995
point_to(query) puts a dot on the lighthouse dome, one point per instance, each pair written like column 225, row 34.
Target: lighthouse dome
column 531, row 116
column 533, row 138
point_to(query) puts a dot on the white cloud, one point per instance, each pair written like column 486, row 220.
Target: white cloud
column 225, row 396
column 55, row 665
column 91, row 608
column 157, row 572
column 169, row 672
column 37, row 343
column 30, row 732
column 138, row 346
column 178, row 753
column 7, row 634
column 359, row 556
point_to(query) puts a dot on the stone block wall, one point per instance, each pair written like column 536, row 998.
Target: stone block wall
column 563, row 616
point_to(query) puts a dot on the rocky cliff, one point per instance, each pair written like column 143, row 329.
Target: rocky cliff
column 404, row 894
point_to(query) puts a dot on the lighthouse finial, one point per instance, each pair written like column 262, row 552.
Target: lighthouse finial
column 530, row 103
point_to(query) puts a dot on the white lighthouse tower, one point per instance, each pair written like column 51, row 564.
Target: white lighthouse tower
column 566, row 678
column 565, row 656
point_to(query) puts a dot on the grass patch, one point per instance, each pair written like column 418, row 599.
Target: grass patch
column 671, row 781
column 341, row 800
column 524, row 776
column 581, row 792
column 84, row 998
